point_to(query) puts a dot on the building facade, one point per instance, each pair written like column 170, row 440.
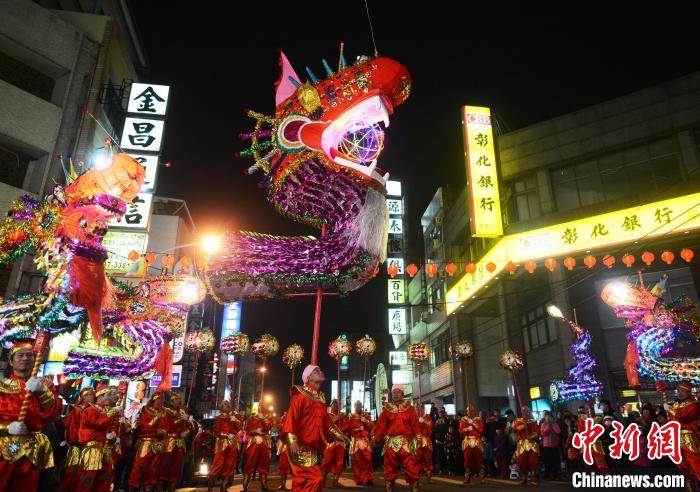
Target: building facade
column 619, row 178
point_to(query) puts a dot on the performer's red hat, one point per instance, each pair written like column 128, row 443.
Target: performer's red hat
column 103, row 389
column 685, row 385
column 20, row 345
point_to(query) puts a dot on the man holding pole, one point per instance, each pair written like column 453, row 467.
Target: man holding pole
column 227, row 424
column 178, row 425
column 527, row 452
column 24, row 450
column 334, row 455
column 258, row 449
column 360, row 427
column 85, row 397
column 472, row 428
column 149, row 447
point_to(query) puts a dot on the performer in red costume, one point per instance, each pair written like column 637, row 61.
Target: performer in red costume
column 305, row 429
column 360, row 428
column 85, row 397
column 528, row 450
column 178, row 426
column 227, row 425
column 398, row 422
column 149, row 447
column 285, row 467
column 600, row 463
column 334, row 455
column 424, row 453
column 24, row 450
column 257, row 453
column 99, row 424
column 686, row 411
column 472, row 428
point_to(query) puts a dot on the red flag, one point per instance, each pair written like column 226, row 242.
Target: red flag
column 164, row 366
column 631, row 361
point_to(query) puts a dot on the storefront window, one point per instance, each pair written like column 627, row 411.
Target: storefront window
column 538, row 328
column 523, row 202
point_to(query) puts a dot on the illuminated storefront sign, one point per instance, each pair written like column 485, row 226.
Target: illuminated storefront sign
column 648, row 221
column 138, row 213
column 118, row 245
column 397, row 321
column 393, row 188
column 401, row 377
column 396, row 291
column 398, row 357
column 231, row 325
column 397, row 262
column 482, row 175
column 148, row 99
column 395, row 207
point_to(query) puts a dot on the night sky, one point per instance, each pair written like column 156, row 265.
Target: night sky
column 527, row 66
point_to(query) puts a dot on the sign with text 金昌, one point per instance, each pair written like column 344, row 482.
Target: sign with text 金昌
column 148, row 99
column 395, row 207
column 395, row 261
column 118, row 245
column 150, row 164
column 675, row 215
column 397, row 321
column 396, row 291
column 177, row 373
column 398, row 357
column 138, row 213
column 482, row 175
column 142, row 134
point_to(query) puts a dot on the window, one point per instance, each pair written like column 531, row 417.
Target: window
column 25, row 77
column 13, row 167
column 523, row 201
column 538, row 328
column 650, row 169
column 440, row 348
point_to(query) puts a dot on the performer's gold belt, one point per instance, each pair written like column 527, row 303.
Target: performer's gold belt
column 34, row 446
column 93, row 455
column 359, row 443
column 260, row 440
column 472, row 442
column 525, row 445
column 307, row 456
column 223, row 442
column 73, row 455
column 396, row 443
column 144, row 444
column 173, row 442
column 690, row 440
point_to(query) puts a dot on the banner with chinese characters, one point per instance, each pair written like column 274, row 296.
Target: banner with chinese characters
column 138, row 213
column 482, row 174
column 395, row 247
column 397, row 321
column 148, row 99
column 142, row 134
column 626, row 226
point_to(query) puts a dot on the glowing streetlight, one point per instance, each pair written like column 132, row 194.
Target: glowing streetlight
column 263, row 369
column 555, row 312
column 211, row 244
column 270, row 408
column 268, row 398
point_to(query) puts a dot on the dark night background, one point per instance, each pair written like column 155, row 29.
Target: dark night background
column 526, row 65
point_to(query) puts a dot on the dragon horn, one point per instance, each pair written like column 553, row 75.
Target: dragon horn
column 312, row 76
column 341, row 61
column 294, row 82
column 327, row 67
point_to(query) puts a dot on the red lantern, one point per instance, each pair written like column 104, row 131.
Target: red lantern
column 550, row 263
column 470, row 268
column 450, row 268
column 375, row 272
column 628, row 259
column 412, row 269
column 687, row 254
column 667, row 257
column 150, row 258
column 185, row 261
column 590, row 261
column 608, row 261
column 570, row 262
column 431, row 269
column 511, row 267
column 134, row 255
column 648, row 257
column 530, row 265
column 491, row 267
column 393, row 270
column 168, row 261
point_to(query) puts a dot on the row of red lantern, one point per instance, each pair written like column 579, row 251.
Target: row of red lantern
column 589, row 260
column 166, row 260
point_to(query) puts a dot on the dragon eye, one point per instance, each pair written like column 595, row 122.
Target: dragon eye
column 83, row 223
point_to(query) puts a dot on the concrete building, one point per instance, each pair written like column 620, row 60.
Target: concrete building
column 634, row 157
column 57, row 58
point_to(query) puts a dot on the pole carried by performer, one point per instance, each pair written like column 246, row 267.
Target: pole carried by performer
column 472, row 428
column 360, row 427
column 149, row 446
column 24, row 450
column 227, row 424
column 527, row 451
column 398, row 426
column 334, row 454
column 424, row 453
column 304, row 430
column 178, row 425
column 99, row 426
column 257, row 453
column 284, row 467
column 686, row 411
column 70, row 480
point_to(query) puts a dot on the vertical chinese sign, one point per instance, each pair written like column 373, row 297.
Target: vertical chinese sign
column 482, row 174
column 230, row 325
column 396, row 287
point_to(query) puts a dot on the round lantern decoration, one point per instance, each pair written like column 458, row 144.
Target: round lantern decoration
column 340, row 347
column 431, row 269
column 411, row 269
column 470, row 268
column 266, row 346
column 450, row 269
column 550, row 264
column 530, row 265
column 185, row 261
column 200, row 341
column 293, row 355
column 491, row 267
column 608, row 261
column 667, row 257
column 570, row 262
column 687, row 254
column 149, row 258
column 392, row 270
column 463, row 350
column 511, row 360
column 511, row 267
column 590, row 261
column 134, row 255
column 168, row 261
column 365, row 346
column 628, row 259
column 648, row 258
column 419, row 352
column 235, row 344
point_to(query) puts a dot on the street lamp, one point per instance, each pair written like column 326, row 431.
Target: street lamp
column 555, row 312
column 270, row 408
column 268, row 398
column 211, row 244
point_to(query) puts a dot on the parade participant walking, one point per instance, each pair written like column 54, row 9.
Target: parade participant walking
column 177, row 425
column 472, row 428
column 686, row 411
column 305, row 429
column 424, row 454
column 398, row 425
column 227, row 424
column 85, row 397
column 257, row 454
column 99, row 424
column 149, row 447
column 527, row 451
column 24, row 450
column 334, row 455
column 284, row 467
column 360, row 428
